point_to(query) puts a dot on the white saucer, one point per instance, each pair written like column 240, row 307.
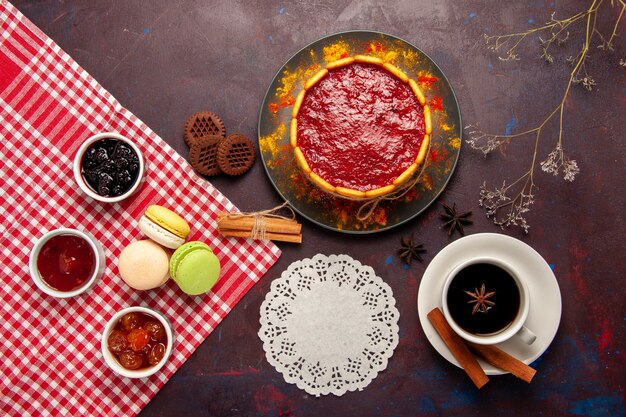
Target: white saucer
column 545, row 297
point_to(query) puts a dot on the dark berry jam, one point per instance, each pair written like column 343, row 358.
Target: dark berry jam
column 138, row 341
column 110, row 167
column 65, row 262
column 360, row 127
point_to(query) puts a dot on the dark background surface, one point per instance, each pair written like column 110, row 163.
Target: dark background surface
column 165, row 60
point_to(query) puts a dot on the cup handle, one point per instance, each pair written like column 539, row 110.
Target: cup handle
column 526, row 335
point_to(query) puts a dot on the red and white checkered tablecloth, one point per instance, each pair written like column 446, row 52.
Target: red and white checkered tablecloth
column 50, row 348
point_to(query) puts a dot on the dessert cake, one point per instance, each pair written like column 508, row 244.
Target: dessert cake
column 360, row 128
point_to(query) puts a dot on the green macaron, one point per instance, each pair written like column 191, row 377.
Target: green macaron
column 194, row 267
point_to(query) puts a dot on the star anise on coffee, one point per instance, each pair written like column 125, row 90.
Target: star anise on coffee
column 480, row 299
column 455, row 220
column 410, row 250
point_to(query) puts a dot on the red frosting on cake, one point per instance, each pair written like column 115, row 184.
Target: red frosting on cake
column 360, row 127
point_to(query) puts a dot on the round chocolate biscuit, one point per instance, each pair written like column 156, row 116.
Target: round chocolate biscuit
column 236, row 154
column 203, row 154
column 204, row 123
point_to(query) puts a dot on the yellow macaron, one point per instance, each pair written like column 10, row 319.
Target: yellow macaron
column 164, row 226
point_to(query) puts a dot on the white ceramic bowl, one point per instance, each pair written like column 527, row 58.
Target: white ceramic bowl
column 80, row 180
column 112, row 362
column 98, row 270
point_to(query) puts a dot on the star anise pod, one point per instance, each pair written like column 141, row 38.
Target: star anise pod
column 410, row 250
column 455, row 220
column 480, row 300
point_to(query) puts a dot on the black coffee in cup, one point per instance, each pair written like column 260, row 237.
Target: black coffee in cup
column 483, row 299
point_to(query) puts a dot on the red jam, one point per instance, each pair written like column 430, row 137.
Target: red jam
column 66, row 262
column 360, row 127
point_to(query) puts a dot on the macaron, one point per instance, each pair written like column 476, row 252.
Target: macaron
column 164, row 226
column 144, row 265
column 195, row 268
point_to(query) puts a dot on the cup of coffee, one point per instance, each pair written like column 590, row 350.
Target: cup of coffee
column 486, row 302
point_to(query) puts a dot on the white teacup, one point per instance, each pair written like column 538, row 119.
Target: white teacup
column 494, row 271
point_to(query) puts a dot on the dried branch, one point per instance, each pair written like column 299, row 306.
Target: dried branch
column 499, row 205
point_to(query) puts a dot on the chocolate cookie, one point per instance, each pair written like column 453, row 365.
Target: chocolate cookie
column 201, row 124
column 203, row 154
column 236, row 154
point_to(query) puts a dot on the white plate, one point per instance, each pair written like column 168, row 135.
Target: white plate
column 545, row 297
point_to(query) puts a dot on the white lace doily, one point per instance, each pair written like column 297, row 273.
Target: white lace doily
column 329, row 324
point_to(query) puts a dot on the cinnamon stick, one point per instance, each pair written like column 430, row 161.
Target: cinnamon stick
column 458, row 348
column 500, row 359
column 272, row 224
column 280, row 237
